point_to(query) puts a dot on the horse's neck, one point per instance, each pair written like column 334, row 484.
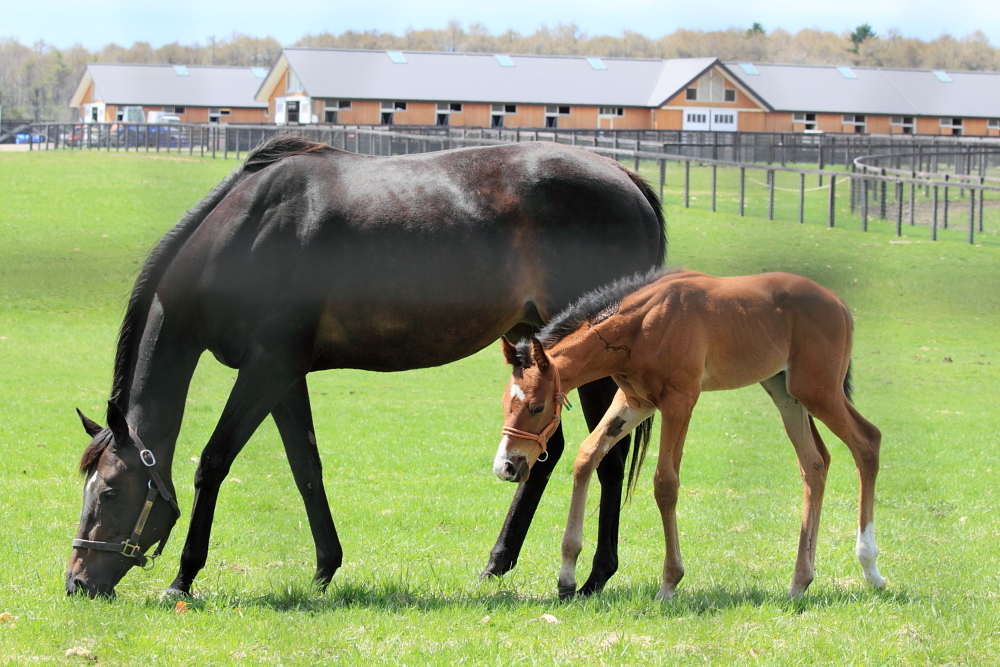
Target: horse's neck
column 159, row 383
column 589, row 354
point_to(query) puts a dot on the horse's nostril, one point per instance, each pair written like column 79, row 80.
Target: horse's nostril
column 509, row 470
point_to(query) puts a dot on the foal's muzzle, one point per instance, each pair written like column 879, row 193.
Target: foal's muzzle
column 515, row 469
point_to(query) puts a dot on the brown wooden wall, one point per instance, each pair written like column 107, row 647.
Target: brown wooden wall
column 579, row 118
column 471, row 115
column 528, row 115
column 279, row 91
column 875, row 125
column 748, row 121
column 975, row 127
column 668, row 119
column 417, row 113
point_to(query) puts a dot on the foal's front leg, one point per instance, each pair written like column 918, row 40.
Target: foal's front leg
column 676, row 410
column 620, row 419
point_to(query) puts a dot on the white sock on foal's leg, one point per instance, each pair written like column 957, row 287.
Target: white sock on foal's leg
column 867, row 552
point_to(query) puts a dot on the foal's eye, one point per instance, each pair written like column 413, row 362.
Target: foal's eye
column 110, row 494
column 535, row 411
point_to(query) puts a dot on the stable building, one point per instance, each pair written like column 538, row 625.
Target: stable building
column 355, row 87
column 109, row 93
column 876, row 100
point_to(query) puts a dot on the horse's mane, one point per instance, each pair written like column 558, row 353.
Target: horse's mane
column 92, row 454
column 130, row 334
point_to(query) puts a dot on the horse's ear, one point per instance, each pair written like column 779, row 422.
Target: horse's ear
column 89, row 425
column 509, row 352
column 117, row 423
column 538, row 355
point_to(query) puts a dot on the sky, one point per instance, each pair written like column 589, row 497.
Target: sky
column 98, row 22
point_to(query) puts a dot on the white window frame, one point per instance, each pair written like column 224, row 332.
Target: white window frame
column 950, row 122
column 503, row 109
column 993, row 123
column 557, row 110
column 804, row 118
column 611, row 112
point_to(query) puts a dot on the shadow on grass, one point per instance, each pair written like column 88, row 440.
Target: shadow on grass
column 398, row 597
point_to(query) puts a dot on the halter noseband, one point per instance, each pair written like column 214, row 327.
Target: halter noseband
column 130, row 547
column 543, row 438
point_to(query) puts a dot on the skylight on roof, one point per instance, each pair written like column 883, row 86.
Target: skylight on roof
column 749, row 69
column 847, row 73
column 181, row 70
column 397, row 57
column 259, row 72
column 503, row 59
column 597, row 63
column 941, row 76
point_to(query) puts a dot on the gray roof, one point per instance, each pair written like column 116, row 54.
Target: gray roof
column 162, row 85
column 874, row 90
column 475, row 77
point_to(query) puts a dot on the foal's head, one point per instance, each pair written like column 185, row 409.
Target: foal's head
column 532, row 404
column 113, row 499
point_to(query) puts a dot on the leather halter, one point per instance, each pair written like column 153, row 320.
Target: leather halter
column 130, row 547
column 543, row 438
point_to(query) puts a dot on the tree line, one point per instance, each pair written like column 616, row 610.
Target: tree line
column 37, row 81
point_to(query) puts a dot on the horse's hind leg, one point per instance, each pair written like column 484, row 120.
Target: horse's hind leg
column 864, row 440
column 814, row 463
column 293, row 417
column 676, row 409
column 259, row 387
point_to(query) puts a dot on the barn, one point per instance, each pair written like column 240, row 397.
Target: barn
column 346, row 86
column 195, row 94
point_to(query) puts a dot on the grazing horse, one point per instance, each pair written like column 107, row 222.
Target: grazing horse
column 667, row 337
column 309, row 258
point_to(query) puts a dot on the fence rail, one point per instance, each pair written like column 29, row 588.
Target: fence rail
column 935, row 183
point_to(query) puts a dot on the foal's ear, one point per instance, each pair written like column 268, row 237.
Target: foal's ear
column 509, row 352
column 117, row 423
column 89, row 425
column 538, row 355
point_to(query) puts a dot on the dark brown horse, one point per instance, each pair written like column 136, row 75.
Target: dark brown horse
column 308, row 258
column 665, row 338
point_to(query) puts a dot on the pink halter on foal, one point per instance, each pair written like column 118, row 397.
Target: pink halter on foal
column 543, row 438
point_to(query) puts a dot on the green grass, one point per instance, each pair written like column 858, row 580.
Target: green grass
column 408, row 467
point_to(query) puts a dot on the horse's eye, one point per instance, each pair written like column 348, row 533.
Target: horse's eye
column 110, row 494
column 535, row 411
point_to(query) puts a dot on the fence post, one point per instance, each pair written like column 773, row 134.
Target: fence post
column 981, row 193
column 687, row 184
column 743, row 174
column 972, row 215
column 770, row 194
column 864, row 204
column 913, row 202
column 882, row 204
column 802, row 198
column 715, row 176
column 944, row 217
column 831, row 213
column 934, row 217
column 899, row 208
column 663, row 173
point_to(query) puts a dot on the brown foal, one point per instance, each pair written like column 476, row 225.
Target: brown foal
column 667, row 337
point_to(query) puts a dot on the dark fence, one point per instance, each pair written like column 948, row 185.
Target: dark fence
column 917, row 184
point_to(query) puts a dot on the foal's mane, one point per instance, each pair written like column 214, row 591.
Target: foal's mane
column 130, row 333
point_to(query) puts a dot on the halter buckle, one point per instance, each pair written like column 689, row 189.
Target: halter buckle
column 130, row 549
column 147, row 458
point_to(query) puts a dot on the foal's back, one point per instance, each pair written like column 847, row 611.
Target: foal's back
column 737, row 331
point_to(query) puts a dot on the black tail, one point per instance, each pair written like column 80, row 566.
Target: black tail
column 657, row 206
column 642, row 434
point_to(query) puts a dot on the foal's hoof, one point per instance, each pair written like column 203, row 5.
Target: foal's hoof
column 567, row 592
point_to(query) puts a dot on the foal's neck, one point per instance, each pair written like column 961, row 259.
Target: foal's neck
column 591, row 353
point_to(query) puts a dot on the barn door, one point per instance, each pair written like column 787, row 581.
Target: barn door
column 279, row 110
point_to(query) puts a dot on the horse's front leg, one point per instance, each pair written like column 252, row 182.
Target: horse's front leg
column 261, row 383
column 293, row 417
column 623, row 416
column 676, row 410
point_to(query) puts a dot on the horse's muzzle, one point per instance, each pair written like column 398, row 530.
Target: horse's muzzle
column 515, row 469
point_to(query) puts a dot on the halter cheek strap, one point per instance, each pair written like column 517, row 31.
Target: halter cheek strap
column 130, row 547
column 543, row 438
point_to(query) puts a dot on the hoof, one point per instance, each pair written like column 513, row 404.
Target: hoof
column 567, row 592
column 665, row 595
column 877, row 581
column 174, row 594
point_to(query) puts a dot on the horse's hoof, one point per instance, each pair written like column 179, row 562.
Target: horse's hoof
column 567, row 592
column 174, row 594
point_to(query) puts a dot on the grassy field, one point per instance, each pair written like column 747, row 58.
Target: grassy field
column 408, row 468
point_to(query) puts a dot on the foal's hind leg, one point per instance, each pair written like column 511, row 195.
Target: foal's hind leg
column 864, row 440
column 293, row 417
column 814, row 463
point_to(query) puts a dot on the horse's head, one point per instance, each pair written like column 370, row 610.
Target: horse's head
column 120, row 519
column 532, row 405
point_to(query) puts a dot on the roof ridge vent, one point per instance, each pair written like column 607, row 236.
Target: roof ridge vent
column 846, row 72
column 504, row 59
column 397, row 57
column 596, row 63
column 941, row 76
column 181, row 70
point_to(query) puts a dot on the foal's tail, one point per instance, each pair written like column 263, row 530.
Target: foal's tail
column 642, row 434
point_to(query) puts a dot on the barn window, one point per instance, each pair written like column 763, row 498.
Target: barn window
column 442, row 119
column 730, row 94
column 993, row 123
column 344, row 105
column 611, row 111
column 393, row 106
column 556, row 111
column 496, row 120
column 691, row 94
column 330, row 111
column 387, row 117
column 504, row 108
column 905, row 122
column 173, row 110
column 954, row 123
column 456, row 107
column 552, row 121
column 809, row 119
